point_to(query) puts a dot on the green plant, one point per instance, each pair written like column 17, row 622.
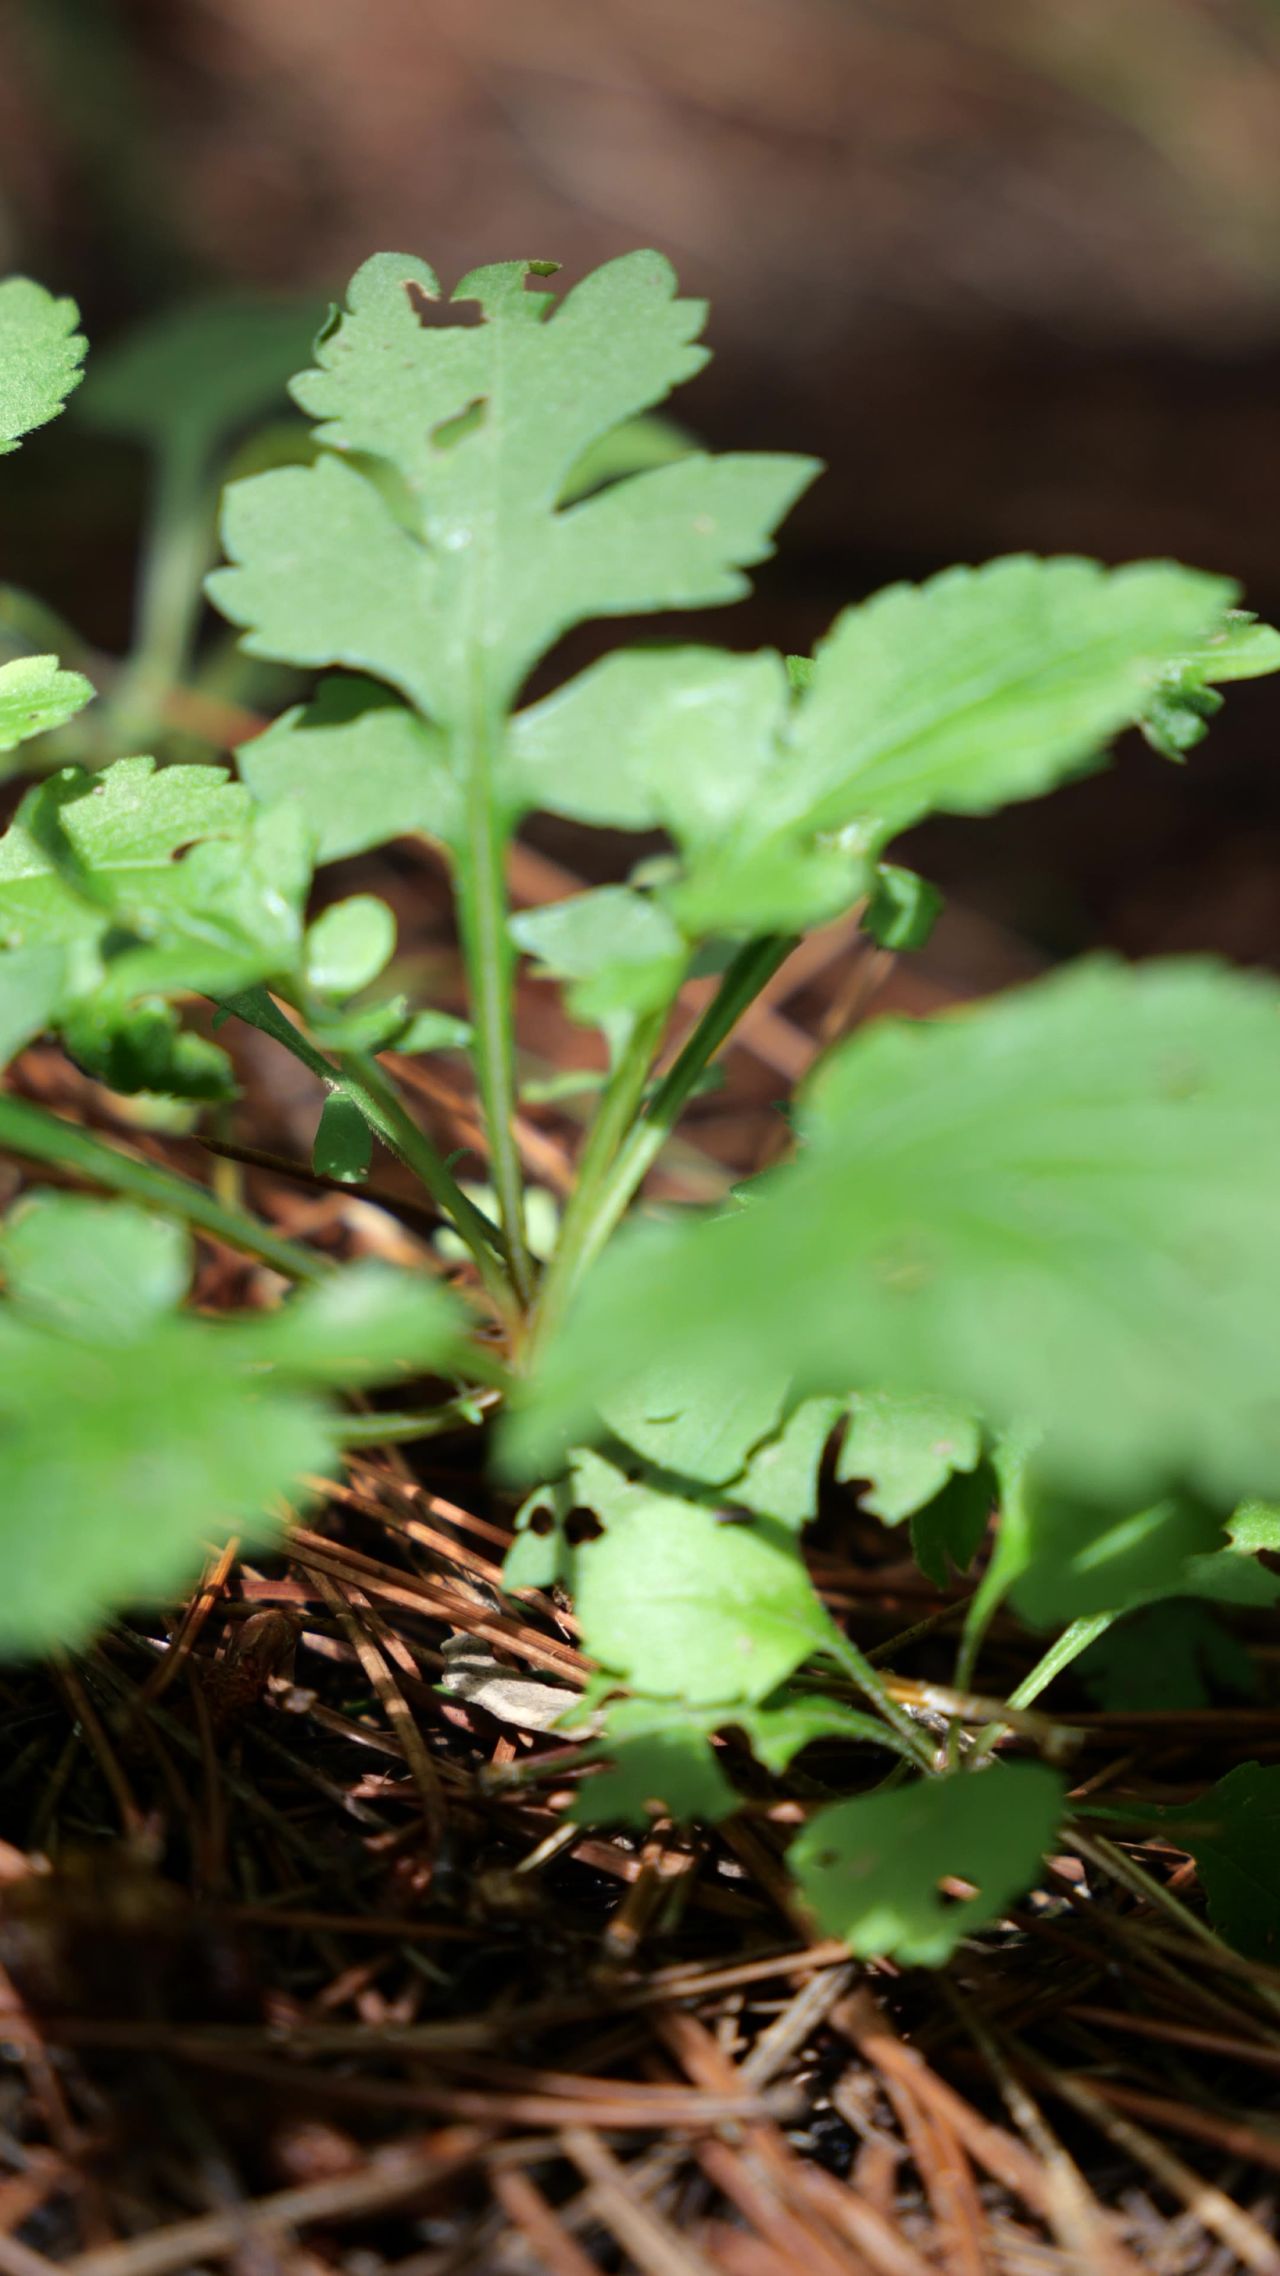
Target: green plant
column 1021, row 1259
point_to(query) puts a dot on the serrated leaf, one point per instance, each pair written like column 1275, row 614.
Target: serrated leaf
column 35, row 696
column 40, row 357
column 1060, row 1207
column 325, row 574
column 674, row 1601
column 83, row 842
column 151, row 884
column 187, row 379
column 1233, row 1833
column 360, row 765
column 482, row 424
column 870, row 1869
column 343, row 1143
column 1183, row 700
column 132, row 1436
column 985, row 685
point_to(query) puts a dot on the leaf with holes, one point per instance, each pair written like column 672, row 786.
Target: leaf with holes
column 873, row 1871
column 482, row 424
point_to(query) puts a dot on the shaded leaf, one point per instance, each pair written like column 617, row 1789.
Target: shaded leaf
column 1233, row 1833
column 903, row 908
column 870, row 1869
column 187, row 379
column 1166, row 1657
column 661, row 1764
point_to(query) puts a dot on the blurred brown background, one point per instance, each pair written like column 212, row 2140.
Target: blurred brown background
column 1011, row 266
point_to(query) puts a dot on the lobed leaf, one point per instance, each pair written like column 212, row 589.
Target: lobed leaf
column 1058, row 1207
column 35, row 696
column 870, row 1870
column 905, row 1447
column 180, row 1431
column 142, row 885
column 481, row 426
column 40, row 357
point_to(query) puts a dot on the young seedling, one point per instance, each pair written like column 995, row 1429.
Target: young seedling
column 1023, row 1257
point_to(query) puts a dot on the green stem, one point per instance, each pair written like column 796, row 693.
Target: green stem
column 1062, row 1651
column 750, row 971
column 39, row 1137
column 490, row 960
column 176, row 551
column 871, row 1684
column 383, row 1109
column 465, row 1412
column 613, row 1118
column 358, row 1074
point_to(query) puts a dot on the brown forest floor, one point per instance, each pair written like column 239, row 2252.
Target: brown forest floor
column 297, row 1977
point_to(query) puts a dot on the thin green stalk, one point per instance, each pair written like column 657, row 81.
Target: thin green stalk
column 39, row 1137
column 490, row 960
column 176, row 552
column 613, row 1118
column 860, row 1672
column 750, row 971
column 358, row 1074
column 1062, row 1651
column 383, row 1109
column 465, row 1412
